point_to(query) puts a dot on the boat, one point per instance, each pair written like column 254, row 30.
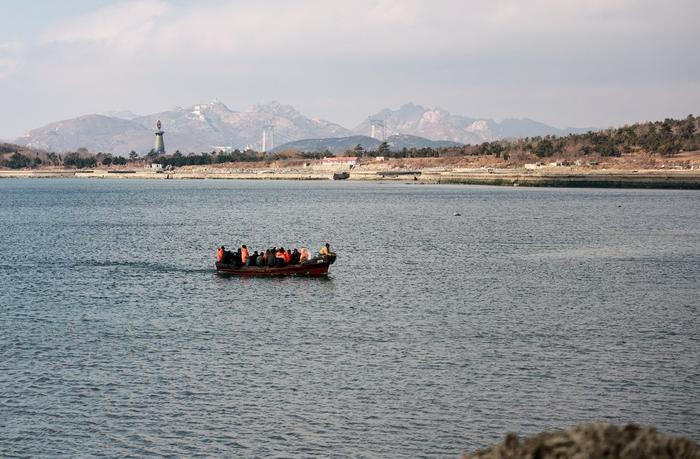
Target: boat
column 340, row 176
column 315, row 267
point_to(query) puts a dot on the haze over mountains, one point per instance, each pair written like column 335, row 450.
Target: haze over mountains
column 213, row 126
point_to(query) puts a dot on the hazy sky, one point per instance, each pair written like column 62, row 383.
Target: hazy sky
column 564, row 62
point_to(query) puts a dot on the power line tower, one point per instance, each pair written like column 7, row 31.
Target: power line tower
column 268, row 137
column 377, row 129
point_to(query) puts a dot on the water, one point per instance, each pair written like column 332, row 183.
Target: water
column 433, row 335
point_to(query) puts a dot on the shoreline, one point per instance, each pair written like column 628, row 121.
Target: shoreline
column 555, row 177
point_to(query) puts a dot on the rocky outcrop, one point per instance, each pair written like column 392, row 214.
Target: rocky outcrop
column 597, row 440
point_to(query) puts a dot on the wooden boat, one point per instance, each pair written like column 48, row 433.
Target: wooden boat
column 341, row 176
column 315, row 267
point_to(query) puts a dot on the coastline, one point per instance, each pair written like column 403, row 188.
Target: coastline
column 545, row 177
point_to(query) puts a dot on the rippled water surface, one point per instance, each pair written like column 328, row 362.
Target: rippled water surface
column 433, row 335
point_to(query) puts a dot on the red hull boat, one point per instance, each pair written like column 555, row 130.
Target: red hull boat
column 315, row 268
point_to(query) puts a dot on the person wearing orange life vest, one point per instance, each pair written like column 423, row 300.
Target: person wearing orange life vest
column 244, row 255
column 287, row 257
column 280, row 257
column 220, row 254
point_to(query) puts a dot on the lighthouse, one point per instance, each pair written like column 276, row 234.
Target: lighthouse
column 160, row 146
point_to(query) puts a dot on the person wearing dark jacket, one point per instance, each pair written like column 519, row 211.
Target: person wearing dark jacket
column 252, row 259
column 280, row 257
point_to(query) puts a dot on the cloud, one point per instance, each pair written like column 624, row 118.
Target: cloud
column 11, row 54
column 123, row 28
column 108, row 25
column 389, row 30
column 364, row 55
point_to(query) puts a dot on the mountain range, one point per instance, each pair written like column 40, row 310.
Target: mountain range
column 213, row 126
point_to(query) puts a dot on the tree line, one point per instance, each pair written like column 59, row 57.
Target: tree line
column 668, row 137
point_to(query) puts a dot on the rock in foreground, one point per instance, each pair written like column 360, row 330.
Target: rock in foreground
column 598, row 440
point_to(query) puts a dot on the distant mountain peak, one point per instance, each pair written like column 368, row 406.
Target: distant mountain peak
column 213, row 105
column 123, row 114
column 275, row 108
column 411, row 106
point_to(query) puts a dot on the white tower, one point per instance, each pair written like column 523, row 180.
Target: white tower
column 268, row 137
column 377, row 129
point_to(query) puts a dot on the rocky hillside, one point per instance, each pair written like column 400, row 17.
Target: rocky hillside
column 439, row 124
column 19, row 156
column 94, row 132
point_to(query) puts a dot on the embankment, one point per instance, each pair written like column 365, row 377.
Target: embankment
column 552, row 177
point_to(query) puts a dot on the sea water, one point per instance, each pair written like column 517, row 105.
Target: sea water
column 433, row 334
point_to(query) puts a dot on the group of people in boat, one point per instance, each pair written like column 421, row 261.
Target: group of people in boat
column 273, row 257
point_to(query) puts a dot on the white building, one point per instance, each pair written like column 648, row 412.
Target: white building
column 340, row 161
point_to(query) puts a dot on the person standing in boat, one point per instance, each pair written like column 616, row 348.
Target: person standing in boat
column 220, row 254
column 244, row 255
column 280, row 257
column 325, row 250
column 303, row 254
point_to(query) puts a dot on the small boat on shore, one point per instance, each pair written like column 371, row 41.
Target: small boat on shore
column 315, row 267
column 341, row 176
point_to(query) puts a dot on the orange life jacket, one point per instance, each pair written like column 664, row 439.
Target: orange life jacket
column 219, row 254
column 287, row 257
column 244, row 255
column 279, row 254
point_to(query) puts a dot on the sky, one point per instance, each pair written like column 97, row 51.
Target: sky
column 581, row 63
